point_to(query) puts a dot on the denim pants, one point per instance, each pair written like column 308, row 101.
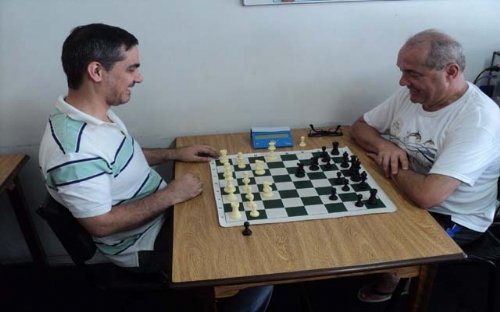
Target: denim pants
column 462, row 236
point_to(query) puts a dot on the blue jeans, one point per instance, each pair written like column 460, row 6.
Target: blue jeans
column 463, row 236
column 254, row 299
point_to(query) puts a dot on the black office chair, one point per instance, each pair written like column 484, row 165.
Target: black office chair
column 486, row 252
column 483, row 252
column 80, row 246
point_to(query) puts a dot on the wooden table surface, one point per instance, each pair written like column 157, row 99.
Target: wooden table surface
column 10, row 167
column 206, row 254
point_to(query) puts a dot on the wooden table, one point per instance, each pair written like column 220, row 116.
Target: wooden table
column 10, row 166
column 408, row 241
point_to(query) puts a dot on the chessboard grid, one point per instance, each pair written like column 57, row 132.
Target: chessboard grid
column 295, row 199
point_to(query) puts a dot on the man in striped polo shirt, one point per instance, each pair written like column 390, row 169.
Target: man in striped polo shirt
column 92, row 165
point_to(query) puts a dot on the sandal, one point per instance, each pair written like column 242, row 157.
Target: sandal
column 370, row 289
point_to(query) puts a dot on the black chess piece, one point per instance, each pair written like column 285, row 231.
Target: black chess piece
column 300, row 172
column 359, row 203
column 335, row 149
column 323, row 153
column 339, row 180
column 314, row 164
column 363, row 183
column 355, row 176
column 373, row 197
column 247, row 231
column 346, row 188
column 328, row 165
column 352, row 168
column 345, row 161
column 333, row 196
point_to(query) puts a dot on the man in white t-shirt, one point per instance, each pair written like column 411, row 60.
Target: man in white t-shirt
column 95, row 168
column 438, row 139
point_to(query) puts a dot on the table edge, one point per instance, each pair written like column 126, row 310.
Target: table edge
column 316, row 273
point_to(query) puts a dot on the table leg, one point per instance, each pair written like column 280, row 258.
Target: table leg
column 20, row 207
column 421, row 287
column 195, row 299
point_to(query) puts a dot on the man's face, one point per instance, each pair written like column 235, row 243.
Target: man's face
column 427, row 86
column 122, row 76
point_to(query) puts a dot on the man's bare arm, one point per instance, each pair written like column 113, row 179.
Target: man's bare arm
column 425, row 191
column 134, row 214
column 193, row 153
column 388, row 156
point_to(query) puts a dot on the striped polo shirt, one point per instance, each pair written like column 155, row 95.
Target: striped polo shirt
column 90, row 166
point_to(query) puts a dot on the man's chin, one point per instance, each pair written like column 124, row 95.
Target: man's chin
column 414, row 98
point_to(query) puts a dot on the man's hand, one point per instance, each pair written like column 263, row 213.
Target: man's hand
column 184, row 188
column 390, row 159
column 196, row 153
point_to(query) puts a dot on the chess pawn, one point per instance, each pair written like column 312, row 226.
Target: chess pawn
column 241, row 161
column 302, row 141
column 245, row 181
column 229, row 185
column 231, row 196
column 272, row 147
column 235, row 213
column 252, row 205
column 227, row 170
column 227, row 174
column 223, row 156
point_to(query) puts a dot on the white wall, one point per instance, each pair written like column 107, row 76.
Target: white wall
column 217, row 66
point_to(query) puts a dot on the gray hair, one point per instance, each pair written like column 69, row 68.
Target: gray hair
column 444, row 50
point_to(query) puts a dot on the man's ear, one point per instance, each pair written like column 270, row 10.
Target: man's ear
column 95, row 71
column 452, row 71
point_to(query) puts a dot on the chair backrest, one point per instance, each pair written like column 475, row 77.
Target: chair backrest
column 74, row 238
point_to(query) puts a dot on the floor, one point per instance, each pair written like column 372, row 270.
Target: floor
column 457, row 288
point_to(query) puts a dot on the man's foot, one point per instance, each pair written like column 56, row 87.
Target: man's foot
column 370, row 294
column 381, row 291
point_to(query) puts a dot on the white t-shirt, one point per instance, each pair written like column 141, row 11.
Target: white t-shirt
column 90, row 166
column 461, row 140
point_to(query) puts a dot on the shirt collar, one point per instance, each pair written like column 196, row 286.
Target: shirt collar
column 77, row 114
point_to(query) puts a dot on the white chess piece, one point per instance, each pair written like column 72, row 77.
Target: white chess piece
column 245, row 181
column 302, row 141
column 259, row 167
column 229, row 185
column 266, row 189
column 241, row 161
column 223, row 156
column 254, row 213
column 231, row 196
column 227, row 174
column 272, row 147
column 235, row 213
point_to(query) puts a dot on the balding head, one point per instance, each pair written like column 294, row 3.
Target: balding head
column 442, row 49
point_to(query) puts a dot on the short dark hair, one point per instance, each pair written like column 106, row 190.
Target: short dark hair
column 94, row 42
column 443, row 49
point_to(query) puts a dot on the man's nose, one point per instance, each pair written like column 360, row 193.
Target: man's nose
column 403, row 81
column 138, row 78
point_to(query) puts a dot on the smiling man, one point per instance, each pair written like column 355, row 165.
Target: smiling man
column 95, row 168
column 438, row 139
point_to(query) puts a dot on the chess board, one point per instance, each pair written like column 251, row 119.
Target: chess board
column 294, row 198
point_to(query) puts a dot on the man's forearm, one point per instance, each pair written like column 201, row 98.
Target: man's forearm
column 426, row 191
column 366, row 136
column 128, row 216
column 156, row 156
